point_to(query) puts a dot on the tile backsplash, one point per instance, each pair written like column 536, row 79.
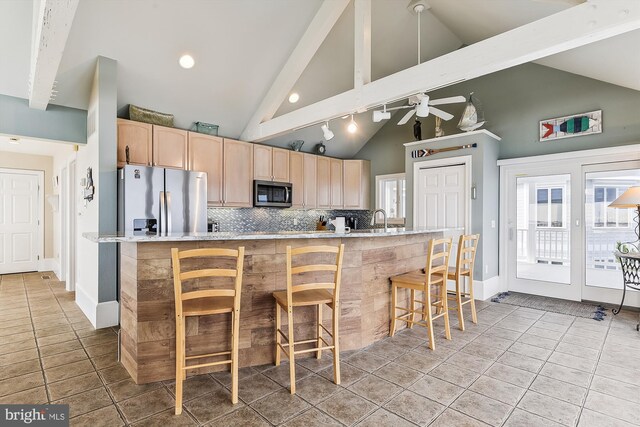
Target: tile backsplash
column 243, row 220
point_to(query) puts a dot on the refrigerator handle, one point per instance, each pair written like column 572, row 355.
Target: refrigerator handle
column 161, row 217
column 168, row 226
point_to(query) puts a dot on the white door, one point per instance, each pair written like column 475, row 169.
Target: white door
column 440, row 197
column 19, row 227
column 543, row 218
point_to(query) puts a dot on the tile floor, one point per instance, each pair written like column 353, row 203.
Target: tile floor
column 517, row 367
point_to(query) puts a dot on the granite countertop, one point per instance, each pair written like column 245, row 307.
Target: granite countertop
column 177, row 237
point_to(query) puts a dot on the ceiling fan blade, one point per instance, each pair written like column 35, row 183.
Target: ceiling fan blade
column 450, row 100
column 402, row 107
column 407, row 116
column 442, row 114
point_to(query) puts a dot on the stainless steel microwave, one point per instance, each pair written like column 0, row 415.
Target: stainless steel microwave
column 272, row 194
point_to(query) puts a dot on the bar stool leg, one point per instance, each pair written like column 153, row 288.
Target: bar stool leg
column 292, row 361
column 413, row 308
column 394, row 298
column 474, row 316
column 180, row 348
column 427, row 310
column 319, row 354
column 278, row 336
column 459, row 302
column 235, row 321
column 336, row 342
column 445, row 307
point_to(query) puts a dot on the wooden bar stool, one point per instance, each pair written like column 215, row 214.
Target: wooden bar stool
column 434, row 278
column 310, row 294
column 207, row 302
column 467, row 246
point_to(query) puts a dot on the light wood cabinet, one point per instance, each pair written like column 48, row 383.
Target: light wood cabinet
column 238, row 173
column 138, row 137
column 296, row 175
column 270, row 163
column 169, row 147
column 356, row 184
column 310, row 179
column 336, row 183
column 323, row 183
column 205, row 154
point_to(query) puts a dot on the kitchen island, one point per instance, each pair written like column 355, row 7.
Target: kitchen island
column 147, row 295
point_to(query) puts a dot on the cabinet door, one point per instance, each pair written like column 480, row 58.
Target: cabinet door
column 356, row 184
column 336, row 183
column 323, row 183
column 280, row 171
column 205, row 155
column 310, row 181
column 137, row 136
column 262, row 163
column 238, row 173
column 296, row 175
column 169, row 147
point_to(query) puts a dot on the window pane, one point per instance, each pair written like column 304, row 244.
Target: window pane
column 623, row 217
column 611, row 194
column 599, row 194
column 556, row 215
column 542, row 196
column 543, row 220
column 556, row 195
column 598, row 213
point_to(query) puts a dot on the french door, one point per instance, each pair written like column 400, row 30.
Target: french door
column 542, row 225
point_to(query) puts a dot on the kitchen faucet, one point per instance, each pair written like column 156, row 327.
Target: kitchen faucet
column 384, row 215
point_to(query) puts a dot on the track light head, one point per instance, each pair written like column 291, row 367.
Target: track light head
column 379, row 116
column 326, row 132
column 353, row 126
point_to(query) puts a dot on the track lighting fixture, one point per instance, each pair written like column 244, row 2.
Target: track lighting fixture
column 353, row 126
column 379, row 116
column 326, row 132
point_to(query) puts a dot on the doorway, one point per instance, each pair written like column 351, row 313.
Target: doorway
column 21, row 220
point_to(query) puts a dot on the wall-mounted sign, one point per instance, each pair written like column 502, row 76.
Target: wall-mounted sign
column 570, row 126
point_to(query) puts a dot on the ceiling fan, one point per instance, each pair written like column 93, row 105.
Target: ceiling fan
column 421, row 105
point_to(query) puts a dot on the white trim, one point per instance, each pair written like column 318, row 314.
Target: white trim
column 466, row 161
column 455, row 136
column 575, row 155
column 485, row 289
column 50, row 264
column 389, row 176
column 101, row 315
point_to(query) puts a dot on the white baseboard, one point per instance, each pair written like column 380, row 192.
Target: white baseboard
column 101, row 315
column 483, row 290
column 50, row 264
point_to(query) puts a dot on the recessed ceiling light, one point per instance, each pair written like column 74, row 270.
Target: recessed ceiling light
column 187, row 61
column 14, row 141
column 294, row 97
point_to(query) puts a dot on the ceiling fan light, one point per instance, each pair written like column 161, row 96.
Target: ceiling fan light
column 378, row 116
column 422, row 109
column 326, row 132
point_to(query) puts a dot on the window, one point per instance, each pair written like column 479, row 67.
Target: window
column 605, row 217
column 391, row 196
column 550, row 207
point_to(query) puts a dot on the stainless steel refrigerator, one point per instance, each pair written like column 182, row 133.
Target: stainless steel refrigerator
column 154, row 200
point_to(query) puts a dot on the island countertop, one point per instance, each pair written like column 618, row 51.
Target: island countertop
column 185, row 237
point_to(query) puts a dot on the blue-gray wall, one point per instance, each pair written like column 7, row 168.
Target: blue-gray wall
column 56, row 122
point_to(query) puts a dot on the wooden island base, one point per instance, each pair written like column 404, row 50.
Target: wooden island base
column 147, row 299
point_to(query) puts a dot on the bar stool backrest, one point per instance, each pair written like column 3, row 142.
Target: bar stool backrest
column 179, row 277
column 467, row 246
column 335, row 267
column 438, row 256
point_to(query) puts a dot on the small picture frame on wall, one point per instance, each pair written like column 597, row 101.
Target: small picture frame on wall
column 570, row 126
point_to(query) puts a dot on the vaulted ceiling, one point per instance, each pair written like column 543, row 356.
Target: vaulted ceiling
column 240, row 46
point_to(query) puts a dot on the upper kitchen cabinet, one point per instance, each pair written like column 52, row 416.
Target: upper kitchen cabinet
column 270, row 163
column 323, row 182
column 137, row 137
column 336, row 183
column 238, row 173
column 356, row 184
column 169, row 147
column 205, row 154
column 302, row 175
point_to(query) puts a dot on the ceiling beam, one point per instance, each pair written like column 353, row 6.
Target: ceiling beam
column 51, row 26
column 574, row 27
column 317, row 31
column 362, row 44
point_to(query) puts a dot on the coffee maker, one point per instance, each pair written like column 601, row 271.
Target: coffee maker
column 352, row 222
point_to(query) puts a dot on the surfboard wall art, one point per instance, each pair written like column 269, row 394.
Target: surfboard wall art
column 570, row 126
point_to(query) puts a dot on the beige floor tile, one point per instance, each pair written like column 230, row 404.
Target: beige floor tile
column 105, row 417
column 482, row 408
column 88, row 401
column 70, row 370
column 168, row 418
column 75, row 385
column 21, row 383
column 550, row 408
column 375, row 389
column 559, row 389
column 612, row 406
column 451, row 418
column 520, row 418
column 145, row 405
column 414, row 408
column 382, row 417
column 563, row 373
column 436, row 389
column 498, row 390
column 212, row 406
column 20, row 368
column 455, row 374
column 35, row 396
column 590, row 418
column 126, row 389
